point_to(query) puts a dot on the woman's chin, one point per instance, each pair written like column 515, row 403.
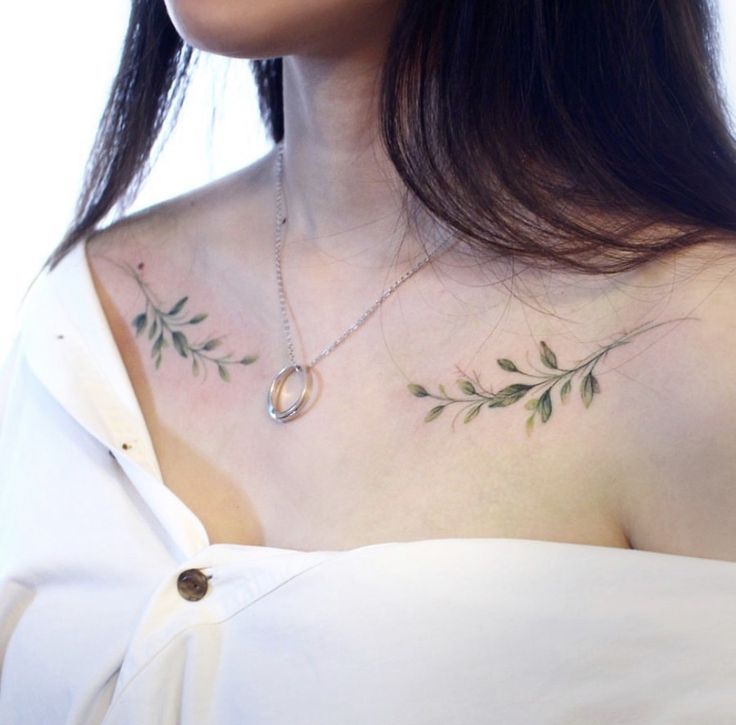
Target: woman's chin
column 224, row 27
column 267, row 29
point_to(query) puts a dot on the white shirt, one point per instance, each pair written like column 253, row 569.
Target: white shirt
column 94, row 629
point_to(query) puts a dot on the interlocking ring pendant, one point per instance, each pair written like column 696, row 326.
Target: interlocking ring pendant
column 282, row 416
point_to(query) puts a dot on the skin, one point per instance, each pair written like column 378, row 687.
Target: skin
column 640, row 457
column 333, row 51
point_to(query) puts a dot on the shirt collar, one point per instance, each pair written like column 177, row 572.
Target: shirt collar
column 69, row 347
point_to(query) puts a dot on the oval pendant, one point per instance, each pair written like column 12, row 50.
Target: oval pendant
column 274, row 393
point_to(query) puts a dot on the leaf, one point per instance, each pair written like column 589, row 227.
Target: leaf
column 531, row 404
column 466, row 386
column 195, row 365
column 156, row 349
column 158, row 361
column 508, row 395
column 198, row 318
column 434, row 413
column 506, row 364
column 417, row 390
column 248, row 359
column 154, row 329
column 472, row 413
column 180, row 343
column 211, row 344
column 224, row 373
column 515, row 389
column 547, row 356
column 545, row 406
column 596, row 386
column 442, row 390
column 565, row 390
column 177, row 307
column 139, row 322
column 588, row 389
column 530, row 424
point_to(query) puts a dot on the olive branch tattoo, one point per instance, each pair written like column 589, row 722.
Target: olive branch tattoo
column 477, row 395
column 165, row 329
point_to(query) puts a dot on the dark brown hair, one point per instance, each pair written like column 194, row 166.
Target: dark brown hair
column 516, row 123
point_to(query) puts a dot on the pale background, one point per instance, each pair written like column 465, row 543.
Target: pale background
column 57, row 61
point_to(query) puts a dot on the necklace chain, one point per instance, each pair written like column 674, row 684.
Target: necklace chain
column 280, row 221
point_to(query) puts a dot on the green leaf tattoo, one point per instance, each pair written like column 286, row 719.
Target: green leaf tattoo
column 541, row 386
column 166, row 328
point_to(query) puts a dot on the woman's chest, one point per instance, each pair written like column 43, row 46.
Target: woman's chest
column 439, row 418
column 371, row 461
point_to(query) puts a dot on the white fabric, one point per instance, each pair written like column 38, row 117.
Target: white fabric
column 466, row 631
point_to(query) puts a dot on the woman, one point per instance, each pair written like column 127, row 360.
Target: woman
column 424, row 417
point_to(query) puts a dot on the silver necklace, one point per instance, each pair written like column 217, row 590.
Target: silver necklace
column 304, row 371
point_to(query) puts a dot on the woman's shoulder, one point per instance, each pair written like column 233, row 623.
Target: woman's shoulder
column 680, row 453
column 227, row 208
column 179, row 243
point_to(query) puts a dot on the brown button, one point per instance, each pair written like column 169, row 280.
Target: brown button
column 192, row 584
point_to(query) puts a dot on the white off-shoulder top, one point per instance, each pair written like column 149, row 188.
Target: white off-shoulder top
column 116, row 609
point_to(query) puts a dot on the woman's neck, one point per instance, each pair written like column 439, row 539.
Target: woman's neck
column 343, row 197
